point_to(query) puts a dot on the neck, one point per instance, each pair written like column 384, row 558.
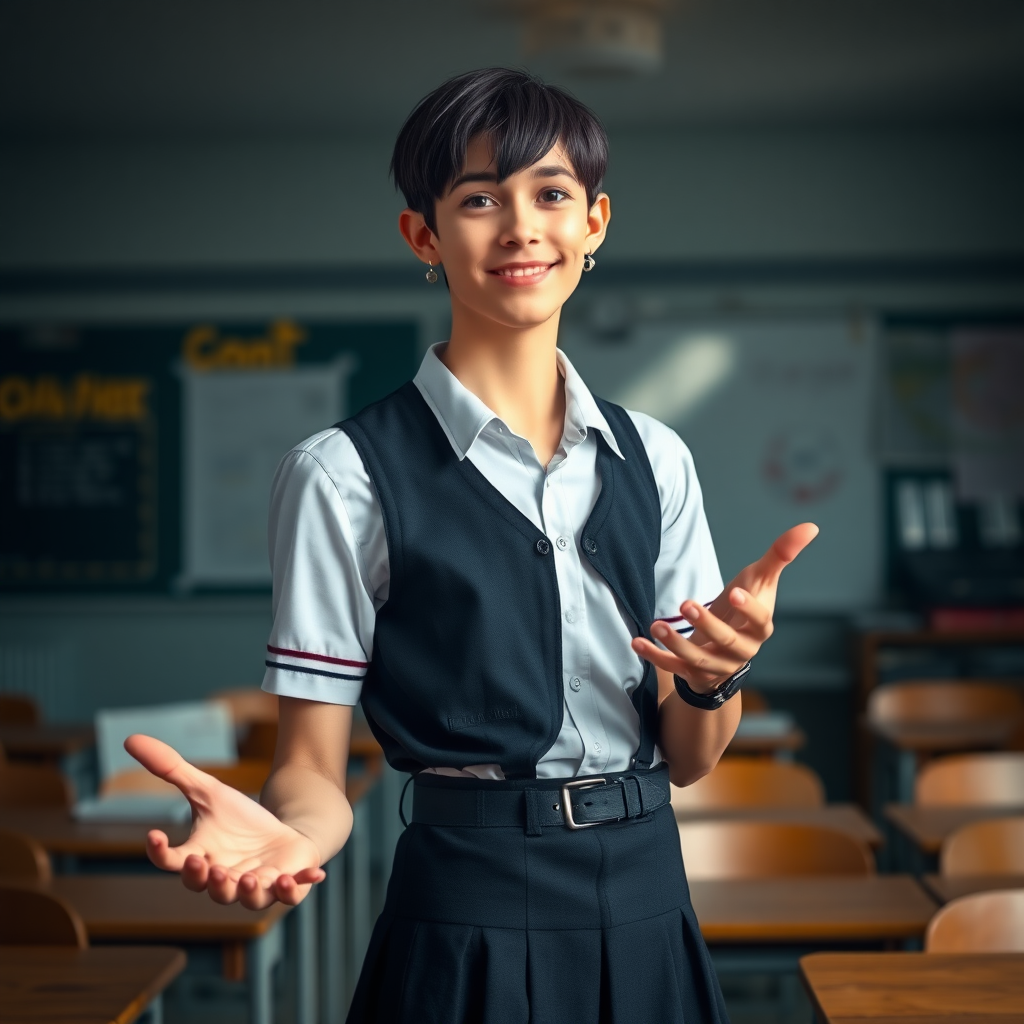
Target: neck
column 513, row 371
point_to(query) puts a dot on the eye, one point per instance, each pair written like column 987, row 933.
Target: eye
column 554, row 195
column 478, row 202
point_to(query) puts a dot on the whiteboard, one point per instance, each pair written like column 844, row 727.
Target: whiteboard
column 237, row 426
column 777, row 414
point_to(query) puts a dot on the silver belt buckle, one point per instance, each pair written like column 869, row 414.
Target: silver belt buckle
column 567, row 803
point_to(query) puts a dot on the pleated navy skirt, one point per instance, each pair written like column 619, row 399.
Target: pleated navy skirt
column 492, row 926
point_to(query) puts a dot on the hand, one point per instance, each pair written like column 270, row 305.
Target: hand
column 237, row 850
column 729, row 633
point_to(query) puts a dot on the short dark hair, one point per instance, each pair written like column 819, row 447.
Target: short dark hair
column 522, row 116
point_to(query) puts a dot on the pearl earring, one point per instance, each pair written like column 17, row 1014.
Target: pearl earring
column 431, row 274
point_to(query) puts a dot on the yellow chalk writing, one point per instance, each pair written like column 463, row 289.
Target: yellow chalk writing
column 204, row 348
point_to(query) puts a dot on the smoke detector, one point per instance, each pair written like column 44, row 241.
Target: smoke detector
column 593, row 37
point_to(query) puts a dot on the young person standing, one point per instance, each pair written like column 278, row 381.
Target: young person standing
column 517, row 581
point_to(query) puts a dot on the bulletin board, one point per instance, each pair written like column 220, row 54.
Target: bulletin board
column 778, row 415
column 140, row 457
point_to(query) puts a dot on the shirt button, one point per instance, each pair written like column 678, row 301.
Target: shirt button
column 575, row 683
column 543, row 547
column 562, row 543
column 570, row 616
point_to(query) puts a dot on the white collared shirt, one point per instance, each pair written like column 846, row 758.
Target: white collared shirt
column 329, row 558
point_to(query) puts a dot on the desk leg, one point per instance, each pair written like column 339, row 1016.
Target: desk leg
column 307, row 1010
column 358, row 857
column 264, row 952
column 333, row 972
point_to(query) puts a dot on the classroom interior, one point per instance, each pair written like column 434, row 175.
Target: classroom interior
column 814, row 273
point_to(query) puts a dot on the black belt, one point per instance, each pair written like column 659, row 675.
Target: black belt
column 575, row 804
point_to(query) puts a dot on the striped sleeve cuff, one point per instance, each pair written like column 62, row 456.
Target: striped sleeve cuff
column 294, row 673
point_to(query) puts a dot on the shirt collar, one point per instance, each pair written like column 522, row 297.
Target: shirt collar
column 463, row 416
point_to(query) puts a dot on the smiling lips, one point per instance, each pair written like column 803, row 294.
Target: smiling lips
column 522, row 273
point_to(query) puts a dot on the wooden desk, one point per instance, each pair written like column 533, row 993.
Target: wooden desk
column 158, row 908
column 46, row 742
column 54, row 985
column 844, row 817
column 946, row 889
column 875, row 908
column 927, row 827
column 922, row 988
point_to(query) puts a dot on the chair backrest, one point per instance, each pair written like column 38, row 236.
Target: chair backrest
column 259, row 741
column 927, row 701
column 758, row 849
column 33, row 917
column 23, row 859
column 248, row 704
column 18, row 709
column 993, row 847
column 993, row 779
column 751, row 782
column 987, row 922
column 30, row 785
column 753, row 700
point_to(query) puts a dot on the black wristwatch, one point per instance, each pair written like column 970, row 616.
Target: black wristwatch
column 717, row 697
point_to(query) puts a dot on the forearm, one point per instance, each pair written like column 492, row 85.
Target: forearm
column 692, row 740
column 310, row 803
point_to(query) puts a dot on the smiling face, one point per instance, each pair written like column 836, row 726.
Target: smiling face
column 512, row 251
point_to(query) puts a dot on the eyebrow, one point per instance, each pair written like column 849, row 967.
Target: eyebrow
column 546, row 171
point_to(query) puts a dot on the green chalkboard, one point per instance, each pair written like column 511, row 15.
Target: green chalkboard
column 91, row 434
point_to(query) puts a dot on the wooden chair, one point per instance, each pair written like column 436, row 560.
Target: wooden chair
column 757, row 849
column 248, row 704
column 247, row 775
column 18, row 709
column 987, row 922
column 992, row 847
column 23, row 859
column 993, row 779
column 753, row 700
column 751, row 782
column 33, row 917
column 29, row 785
column 934, row 703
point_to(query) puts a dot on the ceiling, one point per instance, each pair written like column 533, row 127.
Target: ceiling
column 124, row 67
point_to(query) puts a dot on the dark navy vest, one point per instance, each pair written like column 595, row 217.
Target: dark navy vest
column 467, row 654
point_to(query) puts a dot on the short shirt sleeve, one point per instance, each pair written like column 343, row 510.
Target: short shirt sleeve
column 687, row 567
column 328, row 555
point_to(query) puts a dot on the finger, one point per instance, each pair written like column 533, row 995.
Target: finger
column 221, row 886
column 685, row 658
column 162, row 854
column 309, row 876
column 253, row 894
column 785, row 549
column 288, row 891
column 755, row 614
column 195, row 873
column 719, row 633
column 164, row 762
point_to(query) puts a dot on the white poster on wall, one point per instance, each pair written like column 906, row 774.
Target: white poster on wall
column 238, row 424
column 777, row 414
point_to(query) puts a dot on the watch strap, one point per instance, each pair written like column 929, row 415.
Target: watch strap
column 714, row 699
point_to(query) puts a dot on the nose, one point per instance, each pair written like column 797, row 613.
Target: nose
column 520, row 224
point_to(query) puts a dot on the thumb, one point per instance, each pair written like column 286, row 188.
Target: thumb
column 163, row 761
column 785, row 549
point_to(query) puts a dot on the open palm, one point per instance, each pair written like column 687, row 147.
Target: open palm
column 237, row 850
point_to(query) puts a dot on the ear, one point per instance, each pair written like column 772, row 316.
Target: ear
column 419, row 237
column 597, row 222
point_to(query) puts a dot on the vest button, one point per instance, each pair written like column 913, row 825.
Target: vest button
column 543, row 546
column 590, row 545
